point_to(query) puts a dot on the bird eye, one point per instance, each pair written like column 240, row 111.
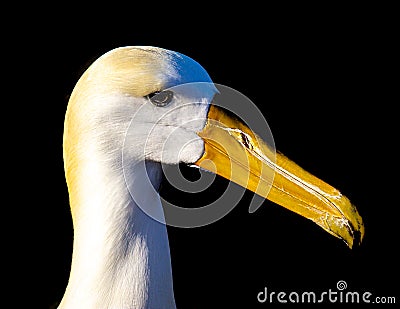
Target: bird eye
column 162, row 98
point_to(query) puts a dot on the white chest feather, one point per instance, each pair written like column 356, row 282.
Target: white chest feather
column 121, row 256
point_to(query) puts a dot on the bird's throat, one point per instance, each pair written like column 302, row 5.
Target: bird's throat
column 121, row 255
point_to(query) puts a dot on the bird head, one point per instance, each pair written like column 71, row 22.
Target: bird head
column 159, row 105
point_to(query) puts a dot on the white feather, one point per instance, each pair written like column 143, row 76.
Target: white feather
column 121, row 255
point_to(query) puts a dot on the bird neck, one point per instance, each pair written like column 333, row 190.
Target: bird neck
column 121, row 256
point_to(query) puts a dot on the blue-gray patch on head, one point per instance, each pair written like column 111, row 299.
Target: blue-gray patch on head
column 182, row 69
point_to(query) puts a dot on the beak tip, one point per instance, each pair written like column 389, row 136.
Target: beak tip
column 357, row 235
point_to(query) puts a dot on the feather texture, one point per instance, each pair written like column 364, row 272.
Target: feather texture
column 114, row 141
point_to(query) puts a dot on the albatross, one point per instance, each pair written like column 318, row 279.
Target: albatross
column 121, row 255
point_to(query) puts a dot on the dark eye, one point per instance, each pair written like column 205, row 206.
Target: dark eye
column 162, row 98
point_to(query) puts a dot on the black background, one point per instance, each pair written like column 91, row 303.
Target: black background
column 322, row 83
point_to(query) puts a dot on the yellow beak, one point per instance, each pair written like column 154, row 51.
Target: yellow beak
column 233, row 151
